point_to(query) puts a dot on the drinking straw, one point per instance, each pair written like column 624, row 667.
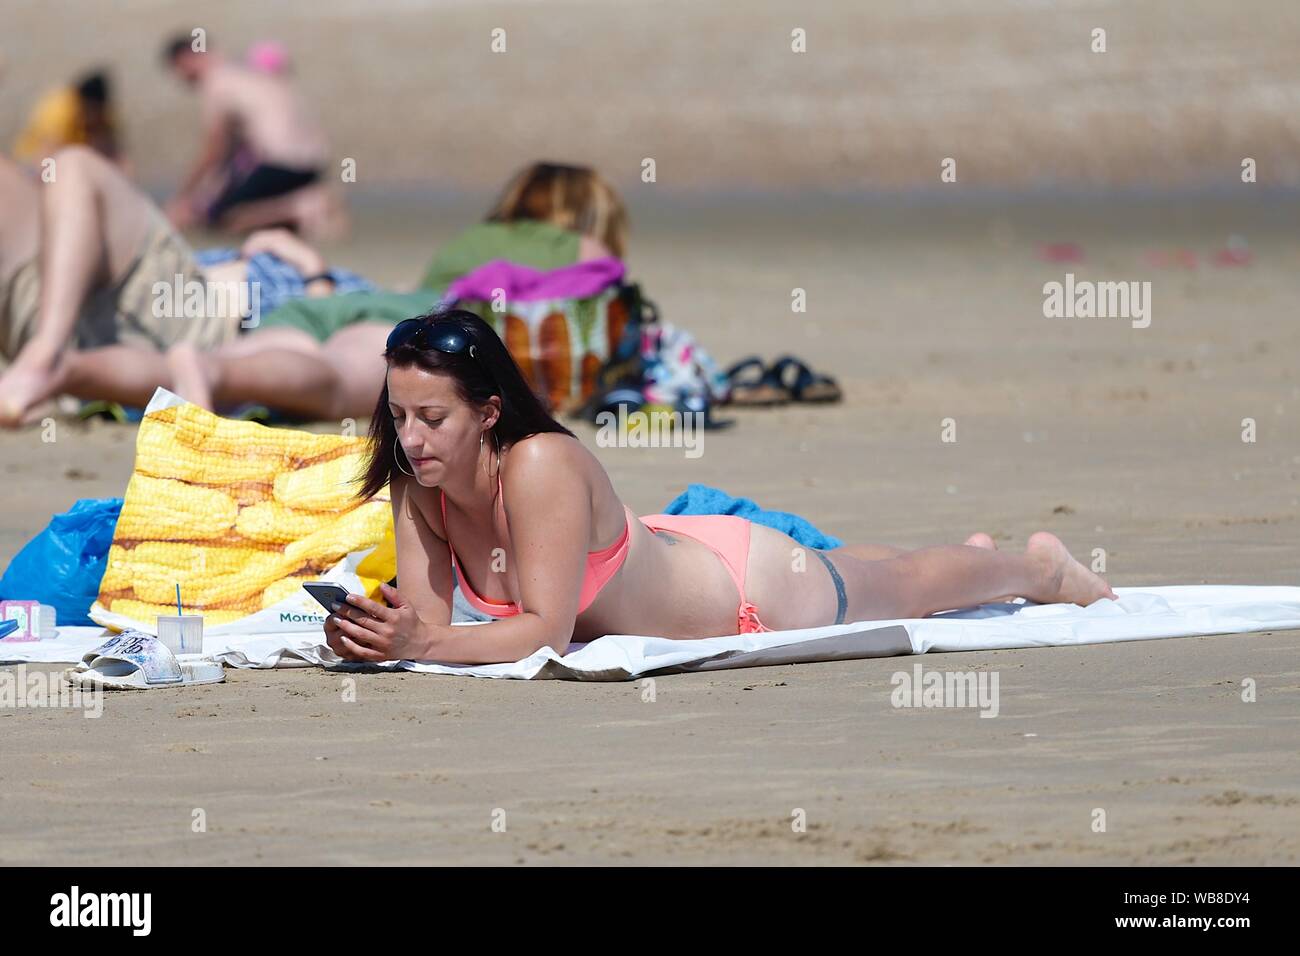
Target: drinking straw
column 178, row 599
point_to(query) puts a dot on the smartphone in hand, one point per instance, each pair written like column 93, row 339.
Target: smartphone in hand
column 327, row 593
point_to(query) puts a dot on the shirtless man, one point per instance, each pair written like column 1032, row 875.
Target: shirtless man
column 266, row 113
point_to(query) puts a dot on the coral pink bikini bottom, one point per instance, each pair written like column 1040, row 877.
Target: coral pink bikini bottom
column 727, row 536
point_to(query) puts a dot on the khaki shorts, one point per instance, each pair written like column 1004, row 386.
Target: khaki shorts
column 129, row 312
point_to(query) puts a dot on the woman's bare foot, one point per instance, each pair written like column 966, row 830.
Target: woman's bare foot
column 1066, row 580
column 191, row 374
column 25, row 384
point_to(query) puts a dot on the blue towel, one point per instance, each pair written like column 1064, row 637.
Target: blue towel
column 703, row 500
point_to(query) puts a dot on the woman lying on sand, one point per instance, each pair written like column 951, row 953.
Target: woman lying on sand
column 484, row 481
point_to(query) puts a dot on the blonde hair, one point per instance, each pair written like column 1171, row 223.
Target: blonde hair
column 571, row 197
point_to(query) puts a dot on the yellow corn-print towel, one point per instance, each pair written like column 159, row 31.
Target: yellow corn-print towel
column 240, row 515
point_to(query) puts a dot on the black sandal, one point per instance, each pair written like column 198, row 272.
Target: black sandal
column 808, row 386
column 761, row 389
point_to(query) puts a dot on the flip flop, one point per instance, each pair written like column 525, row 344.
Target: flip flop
column 759, row 390
column 692, row 406
column 695, row 404
column 134, row 660
column 262, row 414
column 808, row 386
column 250, row 412
column 114, row 411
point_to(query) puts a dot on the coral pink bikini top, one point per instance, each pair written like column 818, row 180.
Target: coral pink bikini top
column 601, row 565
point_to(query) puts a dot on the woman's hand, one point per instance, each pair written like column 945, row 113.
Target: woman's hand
column 365, row 630
column 284, row 245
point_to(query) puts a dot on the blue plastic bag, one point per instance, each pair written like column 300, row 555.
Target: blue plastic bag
column 62, row 566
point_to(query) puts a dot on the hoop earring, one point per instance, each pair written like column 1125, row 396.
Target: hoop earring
column 397, row 460
column 497, row 441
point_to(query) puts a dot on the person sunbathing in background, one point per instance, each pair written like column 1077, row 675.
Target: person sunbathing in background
column 80, row 114
column 547, row 216
column 487, row 486
column 326, row 362
column 262, row 111
column 315, row 357
column 82, row 260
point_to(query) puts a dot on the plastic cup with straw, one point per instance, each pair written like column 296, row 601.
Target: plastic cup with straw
column 182, row 634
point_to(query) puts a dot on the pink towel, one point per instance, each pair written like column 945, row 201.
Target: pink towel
column 521, row 283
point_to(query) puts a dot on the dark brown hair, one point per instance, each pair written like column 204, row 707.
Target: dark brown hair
column 491, row 371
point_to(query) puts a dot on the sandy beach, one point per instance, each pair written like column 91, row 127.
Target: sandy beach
column 1113, row 437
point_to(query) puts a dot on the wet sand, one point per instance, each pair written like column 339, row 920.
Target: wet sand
column 1113, row 437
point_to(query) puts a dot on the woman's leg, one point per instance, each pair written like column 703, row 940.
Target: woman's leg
column 115, row 373
column 876, row 552
column 357, row 353
column 20, row 226
column 879, row 552
column 288, row 369
column 928, row 580
column 868, row 552
column 282, row 368
column 981, row 540
column 92, row 223
column 285, row 369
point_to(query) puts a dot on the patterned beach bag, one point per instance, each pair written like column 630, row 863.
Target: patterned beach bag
column 574, row 331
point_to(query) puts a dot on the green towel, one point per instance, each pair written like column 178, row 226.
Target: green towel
column 323, row 317
column 526, row 241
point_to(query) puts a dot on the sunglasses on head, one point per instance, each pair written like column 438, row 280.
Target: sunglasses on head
column 442, row 336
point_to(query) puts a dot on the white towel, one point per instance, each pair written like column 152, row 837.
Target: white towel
column 1139, row 614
